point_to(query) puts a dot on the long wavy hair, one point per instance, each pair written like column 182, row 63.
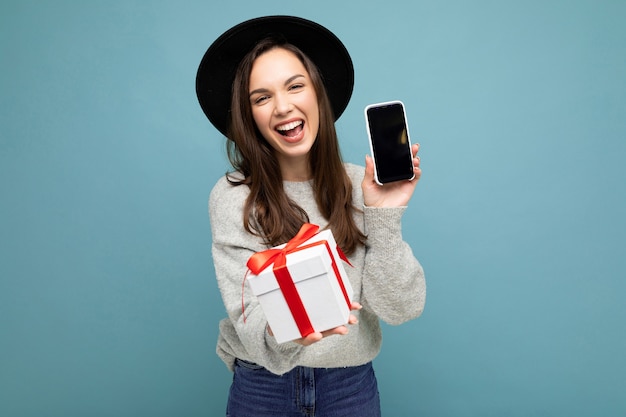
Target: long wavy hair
column 268, row 211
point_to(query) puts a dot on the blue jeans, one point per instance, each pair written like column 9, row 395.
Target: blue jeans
column 311, row 392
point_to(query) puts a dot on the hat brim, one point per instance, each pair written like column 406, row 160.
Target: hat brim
column 218, row 66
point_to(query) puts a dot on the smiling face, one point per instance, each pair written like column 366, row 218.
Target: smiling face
column 285, row 109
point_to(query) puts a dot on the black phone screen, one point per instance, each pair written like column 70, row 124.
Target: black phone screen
column 390, row 142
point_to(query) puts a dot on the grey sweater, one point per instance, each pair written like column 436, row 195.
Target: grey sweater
column 387, row 280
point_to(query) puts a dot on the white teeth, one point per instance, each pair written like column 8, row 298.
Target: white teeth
column 289, row 126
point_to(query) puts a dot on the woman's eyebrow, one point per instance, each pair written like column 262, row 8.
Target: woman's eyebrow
column 293, row 78
column 265, row 90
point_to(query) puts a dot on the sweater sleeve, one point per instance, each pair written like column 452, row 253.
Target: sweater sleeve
column 245, row 329
column 392, row 280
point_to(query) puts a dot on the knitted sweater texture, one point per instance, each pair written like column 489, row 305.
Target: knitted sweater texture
column 386, row 277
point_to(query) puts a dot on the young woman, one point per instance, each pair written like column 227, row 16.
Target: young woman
column 275, row 86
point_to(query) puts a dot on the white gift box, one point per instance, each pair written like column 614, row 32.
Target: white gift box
column 323, row 289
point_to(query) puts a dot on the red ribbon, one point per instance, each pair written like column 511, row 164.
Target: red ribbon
column 261, row 260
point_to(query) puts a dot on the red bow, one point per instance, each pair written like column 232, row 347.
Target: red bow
column 261, row 260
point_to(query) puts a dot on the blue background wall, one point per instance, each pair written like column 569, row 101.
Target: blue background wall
column 108, row 301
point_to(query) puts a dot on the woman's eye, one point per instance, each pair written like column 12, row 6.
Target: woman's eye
column 296, row 87
column 260, row 99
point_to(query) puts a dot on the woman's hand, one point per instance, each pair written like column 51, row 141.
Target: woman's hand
column 393, row 194
column 317, row 336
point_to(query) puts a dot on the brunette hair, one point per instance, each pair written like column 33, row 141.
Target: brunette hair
column 268, row 212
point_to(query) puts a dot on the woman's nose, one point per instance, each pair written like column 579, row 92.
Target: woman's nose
column 282, row 105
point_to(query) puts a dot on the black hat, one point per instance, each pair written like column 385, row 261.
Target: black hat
column 218, row 66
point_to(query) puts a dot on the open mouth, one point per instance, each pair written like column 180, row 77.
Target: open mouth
column 291, row 129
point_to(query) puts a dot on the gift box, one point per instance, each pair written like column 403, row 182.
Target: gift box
column 302, row 286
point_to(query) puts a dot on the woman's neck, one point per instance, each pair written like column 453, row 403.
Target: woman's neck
column 296, row 171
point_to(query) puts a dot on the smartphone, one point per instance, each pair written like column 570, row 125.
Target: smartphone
column 390, row 144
